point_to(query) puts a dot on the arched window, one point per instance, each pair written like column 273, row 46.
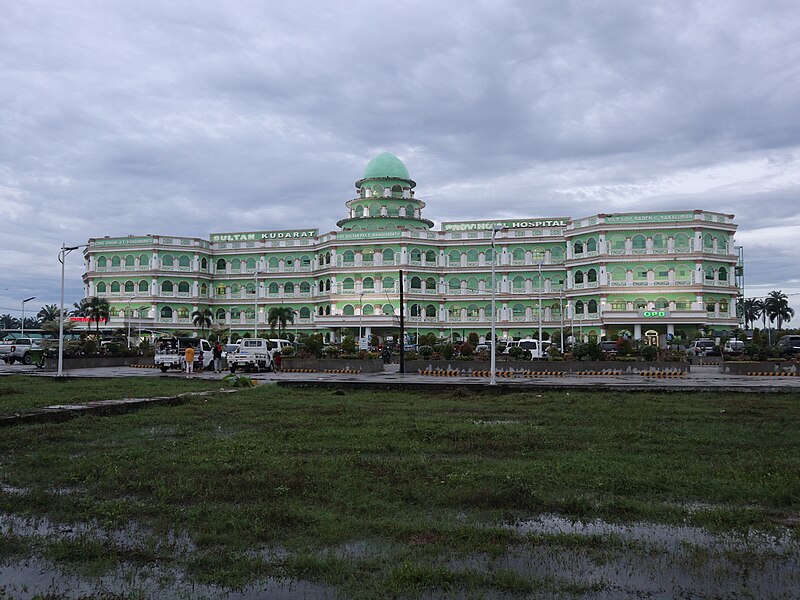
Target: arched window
column 183, row 312
column 640, row 273
column 592, row 307
column 348, row 285
column 415, row 310
column 130, row 261
column 488, row 255
column 454, row 258
column 388, row 283
column 519, row 283
column 327, row 285
column 221, row 264
column 430, row 283
column 661, row 273
column 288, row 287
column 305, row 287
column 348, row 310
column 518, row 310
column 236, row 264
column 251, row 263
column 472, row 256
column 430, row 310
column 129, row 287
column 144, row 261
column 577, row 247
column 388, row 309
column 579, row 307
column 101, row 287
column 410, row 211
column 416, row 283
column 473, row 310
column 305, row 260
column 305, row 313
column 102, row 262
column 659, row 242
column 167, row 260
column 273, row 262
column 367, row 255
column 618, row 274
column 591, row 245
column 184, row 262
column 472, row 285
column 723, row 274
column 454, row 284
column 204, row 263
column 557, row 254
column 661, row 304
column 236, row 313
column 388, row 255
column 273, row 288
column 375, row 208
column 430, row 256
column 359, row 211
column 348, row 257
column 328, row 309
column 639, row 242
column 708, row 241
column 578, row 276
column 709, row 274
column 368, row 310
column 183, row 287
column 167, row 286
column 166, row 312
column 681, row 241
column 220, row 314
column 221, row 290
column 368, row 283
column 591, row 276
column 639, row 303
column 235, row 288
column 518, row 254
column 115, row 262
column 416, row 254
column 203, row 289
column 143, row 286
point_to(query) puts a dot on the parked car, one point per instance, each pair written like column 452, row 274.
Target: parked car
column 734, row 347
column 789, row 345
column 609, row 347
column 701, row 347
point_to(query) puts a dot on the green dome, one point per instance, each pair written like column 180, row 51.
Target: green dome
column 386, row 165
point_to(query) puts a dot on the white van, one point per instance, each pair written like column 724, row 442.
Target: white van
column 278, row 344
column 531, row 345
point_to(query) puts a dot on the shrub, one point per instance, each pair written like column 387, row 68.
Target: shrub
column 649, row 353
column 515, row 352
column 473, row 339
column 448, row 351
column 425, row 352
column 466, row 349
column 411, row 355
column 288, row 351
column 588, row 351
column 331, row 351
column 90, row 347
column 751, row 350
column 349, row 344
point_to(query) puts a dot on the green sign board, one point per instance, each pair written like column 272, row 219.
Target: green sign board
column 127, row 241
column 507, row 224
column 254, row 236
column 650, row 218
column 654, row 314
column 367, row 235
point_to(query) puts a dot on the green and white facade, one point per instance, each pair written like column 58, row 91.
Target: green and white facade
column 644, row 273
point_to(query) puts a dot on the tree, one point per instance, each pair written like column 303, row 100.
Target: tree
column 9, row 322
column 49, row 312
column 81, row 309
column 751, row 311
column 776, row 305
column 280, row 316
column 202, row 319
column 98, row 309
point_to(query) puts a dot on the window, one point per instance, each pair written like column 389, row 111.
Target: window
column 388, row 309
column 129, row 287
column 709, row 274
column 639, row 242
column 305, row 287
column 519, row 284
column 221, row 264
column 114, row 286
column 430, row 283
column 592, row 307
column 661, row 304
column 388, row 255
column 203, row 289
column 115, row 262
column 368, row 283
column 579, row 307
column 236, row 264
column 348, row 310
column 144, row 261
column 220, row 314
column 368, row 310
column 518, row 254
column 359, row 211
column 430, row 310
column 236, row 313
column 183, row 312
column 167, row 260
column 681, row 241
column 348, row 257
column 723, row 274
column 101, row 287
column 591, row 276
column 591, row 245
column 166, row 312
column 348, row 285
column 130, row 261
column 472, row 256
column 430, row 256
column 578, row 277
column 305, row 313
column 305, row 261
column 454, row 257
column 518, row 310
column 388, row 283
column 577, row 247
column 204, row 263
column 454, row 284
column 143, row 286
column 221, row 290
column 273, row 262
column 102, row 262
column 183, row 287
column 251, row 263
column 235, row 288
column 184, row 262
column 288, row 287
column 272, row 288
column 416, row 254
column 659, row 242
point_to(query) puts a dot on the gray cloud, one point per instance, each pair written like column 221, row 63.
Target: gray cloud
column 188, row 118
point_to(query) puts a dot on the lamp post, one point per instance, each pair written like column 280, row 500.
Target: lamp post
column 493, row 363
column 360, row 316
column 23, row 314
column 61, row 257
column 561, row 312
column 255, row 315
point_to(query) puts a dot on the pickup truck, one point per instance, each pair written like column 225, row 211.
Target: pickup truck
column 24, row 350
column 253, row 355
column 170, row 353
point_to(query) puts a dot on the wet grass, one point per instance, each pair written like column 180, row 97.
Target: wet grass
column 21, row 394
column 418, row 478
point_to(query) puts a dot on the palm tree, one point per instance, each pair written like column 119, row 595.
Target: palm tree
column 202, row 319
column 8, row 321
column 81, row 309
column 280, row 316
column 49, row 312
column 776, row 305
column 98, row 309
column 751, row 311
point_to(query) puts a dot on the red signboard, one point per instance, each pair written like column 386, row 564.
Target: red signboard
column 85, row 320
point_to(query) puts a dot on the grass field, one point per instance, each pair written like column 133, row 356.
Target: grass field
column 395, row 495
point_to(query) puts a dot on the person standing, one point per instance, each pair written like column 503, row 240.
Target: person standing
column 217, row 353
column 276, row 361
column 189, row 359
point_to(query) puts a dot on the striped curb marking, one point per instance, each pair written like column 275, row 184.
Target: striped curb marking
column 664, row 374
column 772, row 374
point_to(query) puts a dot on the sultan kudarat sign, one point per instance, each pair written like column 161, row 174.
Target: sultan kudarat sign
column 288, row 234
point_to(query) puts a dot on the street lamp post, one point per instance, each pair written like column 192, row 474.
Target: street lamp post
column 541, row 354
column 493, row 363
column 128, row 312
column 61, row 257
column 22, row 334
column 360, row 316
column 255, row 315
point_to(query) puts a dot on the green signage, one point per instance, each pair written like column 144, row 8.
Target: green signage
column 650, row 218
column 367, row 235
column 654, row 314
column 264, row 235
column 127, row 241
column 507, row 224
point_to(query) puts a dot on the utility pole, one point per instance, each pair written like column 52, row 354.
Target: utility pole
column 402, row 329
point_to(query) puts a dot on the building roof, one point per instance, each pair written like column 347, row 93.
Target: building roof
column 386, row 165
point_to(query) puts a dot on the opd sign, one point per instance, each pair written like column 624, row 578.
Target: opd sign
column 654, row 314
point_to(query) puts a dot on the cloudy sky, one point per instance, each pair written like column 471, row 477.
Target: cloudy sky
column 188, row 117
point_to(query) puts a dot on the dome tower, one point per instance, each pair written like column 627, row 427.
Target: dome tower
column 385, row 199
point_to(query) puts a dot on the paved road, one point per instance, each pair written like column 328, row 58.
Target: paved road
column 701, row 377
